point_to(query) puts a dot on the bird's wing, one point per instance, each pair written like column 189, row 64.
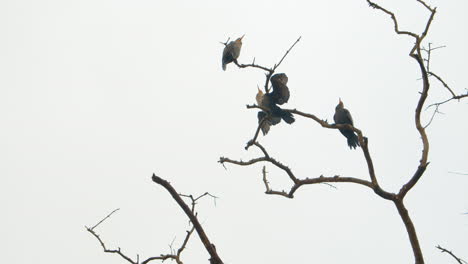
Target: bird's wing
column 227, row 53
column 280, row 92
column 348, row 119
column 342, row 116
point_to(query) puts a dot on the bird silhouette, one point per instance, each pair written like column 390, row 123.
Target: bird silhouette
column 343, row 116
column 231, row 52
column 271, row 113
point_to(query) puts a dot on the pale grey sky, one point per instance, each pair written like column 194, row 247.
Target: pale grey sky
column 95, row 96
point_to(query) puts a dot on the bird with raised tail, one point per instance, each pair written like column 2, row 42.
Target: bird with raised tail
column 271, row 114
column 231, row 52
column 343, row 116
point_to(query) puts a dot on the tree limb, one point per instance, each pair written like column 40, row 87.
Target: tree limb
column 443, row 250
column 269, row 71
column 297, row 183
column 215, row 259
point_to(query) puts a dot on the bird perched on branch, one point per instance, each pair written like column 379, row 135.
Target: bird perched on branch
column 231, row 51
column 342, row 116
column 272, row 114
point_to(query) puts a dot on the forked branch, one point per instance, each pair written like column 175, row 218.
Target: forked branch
column 453, row 95
column 175, row 255
column 215, row 259
column 269, row 71
column 118, row 251
column 297, row 183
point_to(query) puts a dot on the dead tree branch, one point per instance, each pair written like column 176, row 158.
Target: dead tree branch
column 174, row 255
column 194, row 200
column 297, row 183
column 118, row 251
column 443, row 250
column 423, row 163
column 362, row 140
column 215, row 259
column 269, row 71
column 112, row 251
column 432, row 74
column 104, row 219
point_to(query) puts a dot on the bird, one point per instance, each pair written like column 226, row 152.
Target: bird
column 271, row 114
column 231, row 51
column 343, row 116
column 280, row 92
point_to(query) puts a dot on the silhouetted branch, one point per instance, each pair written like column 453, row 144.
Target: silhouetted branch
column 297, row 183
column 104, row 219
column 257, row 132
column 253, row 65
column 362, row 140
column 194, row 200
column 415, row 54
column 395, row 22
column 113, row 251
column 436, row 111
column 287, row 52
column 215, row 259
column 429, row 51
column 443, row 83
column 269, row 71
column 443, row 250
column 118, row 251
column 267, row 186
column 174, row 255
column 452, row 93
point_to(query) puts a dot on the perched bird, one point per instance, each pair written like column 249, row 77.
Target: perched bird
column 271, row 113
column 342, row 116
column 231, row 52
column 280, row 92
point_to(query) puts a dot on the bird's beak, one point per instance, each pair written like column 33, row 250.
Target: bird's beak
column 340, row 100
column 242, row 37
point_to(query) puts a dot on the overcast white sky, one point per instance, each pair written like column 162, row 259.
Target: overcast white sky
column 97, row 95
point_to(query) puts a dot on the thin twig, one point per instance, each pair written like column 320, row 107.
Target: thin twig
column 287, row 52
column 109, row 215
column 257, row 132
column 269, row 71
column 443, row 250
column 458, row 173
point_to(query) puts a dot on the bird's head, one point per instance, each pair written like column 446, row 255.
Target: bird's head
column 239, row 40
column 340, row 104
column 259, row 96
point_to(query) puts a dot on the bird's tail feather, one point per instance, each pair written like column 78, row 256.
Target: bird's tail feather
column 353, row 141
column 266, row 123
column 287, row 117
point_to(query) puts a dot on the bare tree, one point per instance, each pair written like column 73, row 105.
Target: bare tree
column 420, row 55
